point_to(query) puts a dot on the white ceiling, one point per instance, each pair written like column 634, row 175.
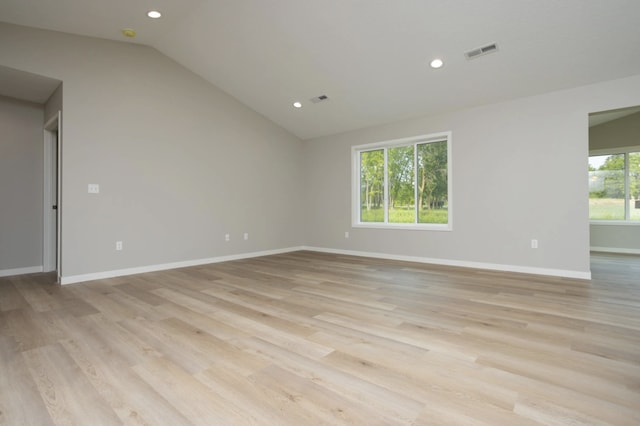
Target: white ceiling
column 370, row 57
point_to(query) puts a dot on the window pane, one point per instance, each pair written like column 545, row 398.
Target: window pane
column 606, row 187
column 401, row 198
column 372, row 186
column 432, row 183
column 402, row 183
column 634, row 185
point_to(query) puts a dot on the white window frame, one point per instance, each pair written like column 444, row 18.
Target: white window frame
column 616, row 151
column 355, row 183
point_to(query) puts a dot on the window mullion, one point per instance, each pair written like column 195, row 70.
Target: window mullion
column 416, row 209
column 627, row 195
column 358, row 189
column 386, row 186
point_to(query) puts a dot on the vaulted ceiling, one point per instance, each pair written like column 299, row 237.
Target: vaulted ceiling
column 369, row 57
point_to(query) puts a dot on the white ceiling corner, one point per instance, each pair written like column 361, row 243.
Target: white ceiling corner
column 26, row 86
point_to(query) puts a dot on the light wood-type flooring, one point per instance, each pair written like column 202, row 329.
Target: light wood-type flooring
column 309, row 339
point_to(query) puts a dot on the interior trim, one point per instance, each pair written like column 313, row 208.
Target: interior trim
column 464, row 264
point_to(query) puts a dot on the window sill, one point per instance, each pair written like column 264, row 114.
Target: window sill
column 404, row 226
column 615, row 222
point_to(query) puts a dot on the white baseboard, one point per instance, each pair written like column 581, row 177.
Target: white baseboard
column 447, row 262
column 20, row 271
column 162, row 267
column 464, row 264
column 616, row 250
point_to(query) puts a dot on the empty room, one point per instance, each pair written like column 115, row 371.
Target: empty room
column 250, row 212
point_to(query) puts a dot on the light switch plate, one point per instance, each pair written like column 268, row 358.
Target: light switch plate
column 94, row 188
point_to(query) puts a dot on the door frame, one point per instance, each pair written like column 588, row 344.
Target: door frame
column 51, row 259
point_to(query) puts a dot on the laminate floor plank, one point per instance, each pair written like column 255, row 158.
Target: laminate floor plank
column 214, row 327
column 258, row 309
column 284, row 338
column 100, row 297
column 11, row 298
column 248, row 397
column 109, row 340
column 381, row 401
column 140, row 405
column 195, row 401
column 315, row 404
column 20, row 400
column 30, row 329
column 592, row 408
column 308, row 338
column 189, row 299
column 143, row 293
column 68, row 394
column 40, row 296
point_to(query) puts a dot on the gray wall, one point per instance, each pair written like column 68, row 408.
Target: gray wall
column 179, row 162
column 623, row 132
column 519, row 172
column 21, row 183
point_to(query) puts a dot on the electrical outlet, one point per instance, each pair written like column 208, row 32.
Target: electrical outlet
column 227, row 237
column 118, row 245
column 534, row 244
column 246, row 236
column 346, row 234
column 94, row 188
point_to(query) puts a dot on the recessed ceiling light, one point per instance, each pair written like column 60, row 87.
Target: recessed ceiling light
column 297, row 104
column 436, row 63
column 154, row 14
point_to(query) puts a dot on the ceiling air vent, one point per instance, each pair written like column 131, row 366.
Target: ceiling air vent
column 480, row 51
column 319, row 99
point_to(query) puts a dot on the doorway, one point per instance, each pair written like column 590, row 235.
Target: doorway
column 52, row 183
column 614, row 181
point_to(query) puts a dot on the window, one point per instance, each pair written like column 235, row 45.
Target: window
column 614, row 186
column 403, row 183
